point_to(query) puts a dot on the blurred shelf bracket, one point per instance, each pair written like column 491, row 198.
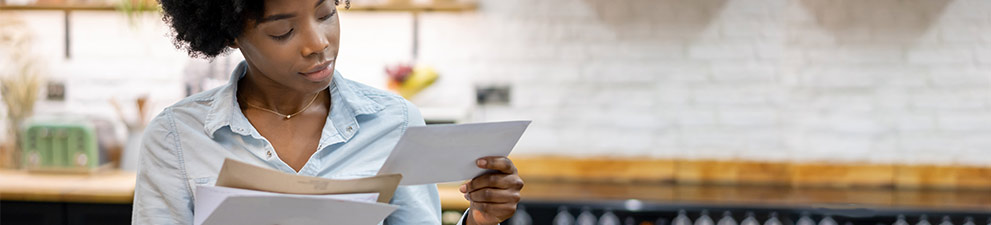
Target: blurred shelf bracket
column 443, row 115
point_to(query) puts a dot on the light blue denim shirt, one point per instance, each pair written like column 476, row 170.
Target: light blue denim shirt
column 186, row 144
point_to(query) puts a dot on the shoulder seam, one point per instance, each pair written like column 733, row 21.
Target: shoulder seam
column 367, row 91
column 178, row 148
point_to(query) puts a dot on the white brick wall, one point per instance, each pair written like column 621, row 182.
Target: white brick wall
column 886, row 81
column 808, row 80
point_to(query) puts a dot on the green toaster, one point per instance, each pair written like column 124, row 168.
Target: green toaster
column 60, row 144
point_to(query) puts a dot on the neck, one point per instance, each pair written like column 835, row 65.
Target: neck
column 261, row 91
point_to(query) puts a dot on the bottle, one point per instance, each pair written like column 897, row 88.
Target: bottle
column 923, row 220
column 805, row 220
column 563, row 217
column 900, row 220
column 773, row 219
column 727, row 219
column 681, row 219
column 629, row 221
column 608, row 218
column 586, row 217
column 704, row 218
column 521, row 217
column 969, row 221
column 659, row 221
column 946, row 221
column 828, row 220
column 749, row 220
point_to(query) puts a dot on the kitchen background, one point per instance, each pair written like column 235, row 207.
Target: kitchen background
column 875, row 94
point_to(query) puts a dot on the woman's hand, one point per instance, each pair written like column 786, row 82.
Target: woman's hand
column 493, row 195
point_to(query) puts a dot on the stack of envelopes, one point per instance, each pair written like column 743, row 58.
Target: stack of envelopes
column 250, row 194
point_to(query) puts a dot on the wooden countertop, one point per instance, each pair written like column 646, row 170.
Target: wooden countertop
column 115, row 186
column 111, row 186
column 118, row 187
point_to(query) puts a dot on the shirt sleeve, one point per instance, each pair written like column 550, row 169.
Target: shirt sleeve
column 418, row 205
column 464, row 217
column 162, row 194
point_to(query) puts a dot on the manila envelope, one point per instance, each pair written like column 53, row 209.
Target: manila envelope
column 237, row 174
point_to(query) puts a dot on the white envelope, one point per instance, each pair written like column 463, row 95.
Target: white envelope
column 224, row 205
column 446, row 153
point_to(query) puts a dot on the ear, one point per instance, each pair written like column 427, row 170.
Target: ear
column 234, row 44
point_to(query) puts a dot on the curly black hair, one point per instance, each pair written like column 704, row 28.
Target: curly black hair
column 205, row 28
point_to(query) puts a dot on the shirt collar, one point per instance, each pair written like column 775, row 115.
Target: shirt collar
column 347, row 102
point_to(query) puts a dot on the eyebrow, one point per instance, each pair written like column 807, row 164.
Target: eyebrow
column 284, row 16
column 275, row 17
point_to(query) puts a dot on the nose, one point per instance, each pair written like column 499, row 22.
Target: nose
column 314, row 41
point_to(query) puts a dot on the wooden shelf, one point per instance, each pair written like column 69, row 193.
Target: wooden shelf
column 68, row 7
column 445, row 7
column 741, row 172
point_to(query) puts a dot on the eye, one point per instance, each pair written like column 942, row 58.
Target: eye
column 328, row 15
column 283, row 36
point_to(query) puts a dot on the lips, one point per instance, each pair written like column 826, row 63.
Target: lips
column 318, row 72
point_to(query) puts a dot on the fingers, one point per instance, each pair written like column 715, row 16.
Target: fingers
column 499, row 163
column 493, row 195
column 500, row 210
column 493, row 180
column 490, row 195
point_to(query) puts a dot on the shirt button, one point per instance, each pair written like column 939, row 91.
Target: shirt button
column 349, row 129
column 268, row 154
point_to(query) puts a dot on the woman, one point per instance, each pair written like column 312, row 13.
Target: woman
column 286, row 108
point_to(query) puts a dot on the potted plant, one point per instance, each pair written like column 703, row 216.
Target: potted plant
column 20, row 83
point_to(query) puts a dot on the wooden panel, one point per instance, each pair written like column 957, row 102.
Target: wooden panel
column 842, row 175
column 973, row 178
column 943, row 177
column 815, row 174
column 450, row 197
column 718, row 172
column 106, row 187
column 599, row 169
column 925, row 176
column 769, row 173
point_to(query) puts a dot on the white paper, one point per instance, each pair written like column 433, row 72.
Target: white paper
column 446, row 153
column 224, row 205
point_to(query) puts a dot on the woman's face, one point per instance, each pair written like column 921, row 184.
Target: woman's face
column 294, row 44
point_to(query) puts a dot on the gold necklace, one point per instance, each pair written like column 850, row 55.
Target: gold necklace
column 287, row 117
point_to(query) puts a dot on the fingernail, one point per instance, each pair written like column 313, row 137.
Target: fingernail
column 466, row 197
column 481, row 162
